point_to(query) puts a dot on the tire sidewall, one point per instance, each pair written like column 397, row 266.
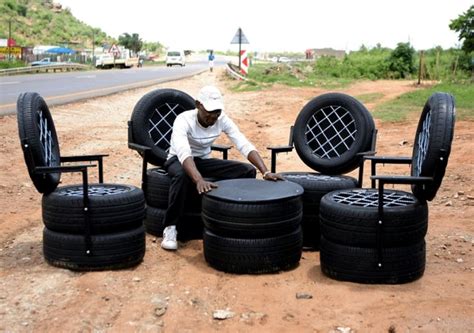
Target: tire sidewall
column 145, row 110
column 348, row 160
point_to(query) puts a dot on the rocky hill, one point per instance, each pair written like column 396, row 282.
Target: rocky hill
column 36, row 22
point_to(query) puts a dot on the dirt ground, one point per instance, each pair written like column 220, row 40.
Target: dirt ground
column 178, row 291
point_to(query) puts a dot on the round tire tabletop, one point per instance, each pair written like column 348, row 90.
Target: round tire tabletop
column 253, row 190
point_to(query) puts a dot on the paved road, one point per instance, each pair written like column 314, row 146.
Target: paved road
column 62, row 88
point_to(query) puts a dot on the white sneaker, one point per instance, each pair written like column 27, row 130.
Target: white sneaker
column 169, row 238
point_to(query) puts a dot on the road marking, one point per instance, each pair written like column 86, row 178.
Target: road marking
column 86, row 77
column 12, row 82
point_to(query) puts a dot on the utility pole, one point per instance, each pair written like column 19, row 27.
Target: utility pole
column 420, row 68
column 9, row 38
column 240, row 44
column 93, row 45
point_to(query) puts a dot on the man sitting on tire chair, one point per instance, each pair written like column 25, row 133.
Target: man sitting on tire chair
column 189, row 159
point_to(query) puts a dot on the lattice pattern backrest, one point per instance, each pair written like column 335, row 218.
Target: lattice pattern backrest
column 330, row 132
column 161, row 124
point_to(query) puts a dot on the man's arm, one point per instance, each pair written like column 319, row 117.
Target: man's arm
column 202, row 185
column 255, row 158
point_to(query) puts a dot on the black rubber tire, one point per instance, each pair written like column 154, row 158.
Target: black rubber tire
column 343, row 138
column 253, row 256
column 154, row 220
column 315, row 187
column 112, row 208
column 189, row 227
column 109, row 251
column 251, row 220
column 355, row 225
column 157, row 188
column 157, row 191
column 358, row 264
column 432, row 146
column 154, row 108
column 39, row 149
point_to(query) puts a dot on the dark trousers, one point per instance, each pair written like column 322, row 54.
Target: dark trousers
column 210, row 167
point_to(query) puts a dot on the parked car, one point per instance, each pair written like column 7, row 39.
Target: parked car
column 44, row 61
column 175, row 57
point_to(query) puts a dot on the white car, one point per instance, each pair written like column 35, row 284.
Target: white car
column 176, row 57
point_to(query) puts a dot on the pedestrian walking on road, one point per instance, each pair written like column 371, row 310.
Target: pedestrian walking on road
column 211, row 61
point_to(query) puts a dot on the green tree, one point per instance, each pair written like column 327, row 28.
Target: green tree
column 401, row 60
column 132, row 42
column 464, row 26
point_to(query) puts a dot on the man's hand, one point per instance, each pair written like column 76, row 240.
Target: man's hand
column 272, row 176
column 203, row 186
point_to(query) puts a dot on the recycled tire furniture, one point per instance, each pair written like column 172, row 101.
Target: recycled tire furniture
column 331, row 135
column 149, row 133
column 376, row 235
column 331, row 131
column 252, row 226
column 315, row 186
column 87, row 226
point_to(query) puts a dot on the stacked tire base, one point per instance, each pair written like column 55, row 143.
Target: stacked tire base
column 253, row 226
column 117, row 233
column 315, row 186
column 350, row 236
column 157, row 184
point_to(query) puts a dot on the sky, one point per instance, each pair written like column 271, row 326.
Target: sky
column 277, row 25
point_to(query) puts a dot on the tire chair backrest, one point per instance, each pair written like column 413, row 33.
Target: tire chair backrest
column 432, row 145
column 152, row 120
column 39, row 140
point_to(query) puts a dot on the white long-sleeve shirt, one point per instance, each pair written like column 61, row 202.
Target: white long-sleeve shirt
column 189, row 138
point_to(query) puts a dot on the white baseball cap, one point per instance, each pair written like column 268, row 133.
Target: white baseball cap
column 211, row 98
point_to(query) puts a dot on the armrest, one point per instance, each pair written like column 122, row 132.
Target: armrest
column 84, row 158
column 389, row 159
column 280, row 149
column 140, row 148
column 374, row 160
column 276, row 150
column 63, row 168
column 222, row 148
column 367, row 153
column 402, row 179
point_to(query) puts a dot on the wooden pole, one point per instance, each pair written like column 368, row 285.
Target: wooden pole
column 437, row 64
column 420, row 67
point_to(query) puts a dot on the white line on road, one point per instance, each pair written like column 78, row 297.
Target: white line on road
column 12, row 82
column 86, row 77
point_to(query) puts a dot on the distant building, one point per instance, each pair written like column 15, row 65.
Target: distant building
column 318, row 53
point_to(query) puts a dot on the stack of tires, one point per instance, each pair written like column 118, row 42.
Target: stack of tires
column 373, row 238
column 330, row 135
column 157, row 187
column 353, row 248
column 117, row 235
column 252, row 226
column 103, row 231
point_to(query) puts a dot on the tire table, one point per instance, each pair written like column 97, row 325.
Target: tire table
column 253, row 226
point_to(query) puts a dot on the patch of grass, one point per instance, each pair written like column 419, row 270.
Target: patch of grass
column 293, row 75
column 369, row 98
column 399, row 109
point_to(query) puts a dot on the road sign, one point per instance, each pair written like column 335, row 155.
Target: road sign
column 114, row 50
column 239, row 38
column 15, row 50
column 244, row 64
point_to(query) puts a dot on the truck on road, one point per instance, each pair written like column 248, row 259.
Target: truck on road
column 122, row 59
